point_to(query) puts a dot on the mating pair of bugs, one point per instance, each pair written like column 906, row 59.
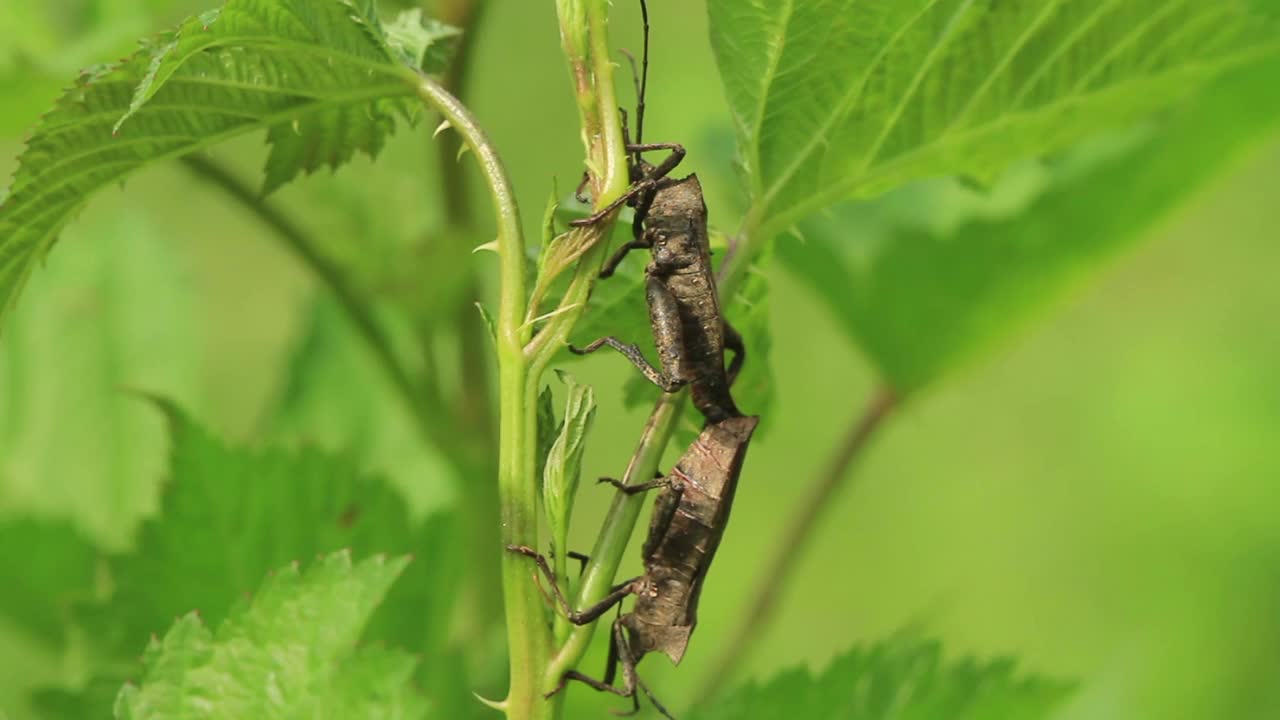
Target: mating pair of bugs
column 691, row 336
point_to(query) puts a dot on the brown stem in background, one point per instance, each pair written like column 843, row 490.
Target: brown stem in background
column 791, row 546
column 475, row 406
column 355, row 306
column 473, row 403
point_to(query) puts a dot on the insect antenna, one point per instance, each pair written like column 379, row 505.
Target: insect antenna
column 640, row 78
column 644, row 74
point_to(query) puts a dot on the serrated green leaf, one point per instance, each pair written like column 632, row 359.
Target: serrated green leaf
column 897, row 680
column 115, row 316
column 229, row 515
column 44, row 568
column 285, row 654
column 834, row 99
column 316, row 74
column 921, row 301
column 422, row 42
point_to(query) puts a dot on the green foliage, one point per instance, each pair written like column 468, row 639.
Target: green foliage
column 563, row 466
column 44, row 567
column 229, row 515
column 422, row 42
column 333, row 396
column 834, row 99
column 116, row 315
column 320, row 77
column 44, row 44
column 898, row 679
column 749, row 312
column 921, row 300
column 287, row 653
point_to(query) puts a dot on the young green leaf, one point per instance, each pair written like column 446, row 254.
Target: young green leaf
column 117, row 315
column 563, row 467
column 287, row 653
column 548, row 429
column 922, row 301
column 835, row 99
column 421, row 41
column 229, row 515
column 896, row 680
column 318, row 75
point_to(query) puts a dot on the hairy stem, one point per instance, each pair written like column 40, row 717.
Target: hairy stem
column 800, row 530
column 528, row 637
column 355, row 305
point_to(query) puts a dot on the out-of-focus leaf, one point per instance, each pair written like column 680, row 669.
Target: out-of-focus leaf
column 286, row 653
column 319, row 76
column 74, row 441
column 229, row 515
column 896, row 680
column 748, row 311
column 921, row 301
column 336, row 398
column 835, row 99
column 44, row 567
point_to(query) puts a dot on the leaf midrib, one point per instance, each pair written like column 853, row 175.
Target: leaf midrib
column 833, row 193
column 866, row 174
column 948, row 34
column 253, row 122
column 851, row 97
column 771, row 74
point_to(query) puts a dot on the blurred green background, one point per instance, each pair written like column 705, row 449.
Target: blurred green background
column 1098, row 498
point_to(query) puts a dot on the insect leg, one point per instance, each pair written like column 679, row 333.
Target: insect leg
column 586, row 615
column 627, row 660
column 733, row 341
column 664, row 511
column 647, row 184
column 637, row 488
column 656, row 705
column 582, row 186
column 581, row 558
column 632, row 353
column 611, row 265
column 667, row 324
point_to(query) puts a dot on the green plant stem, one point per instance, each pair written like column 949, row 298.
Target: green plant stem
column 480, row 602
column 528, row 637
column 606, row 556
column 800, row 530
column 357, row 308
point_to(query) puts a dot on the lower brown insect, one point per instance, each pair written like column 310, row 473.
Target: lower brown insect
column 689, row 519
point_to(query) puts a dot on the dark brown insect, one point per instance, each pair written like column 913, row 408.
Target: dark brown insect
column 689, row 520
column 689, row 330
